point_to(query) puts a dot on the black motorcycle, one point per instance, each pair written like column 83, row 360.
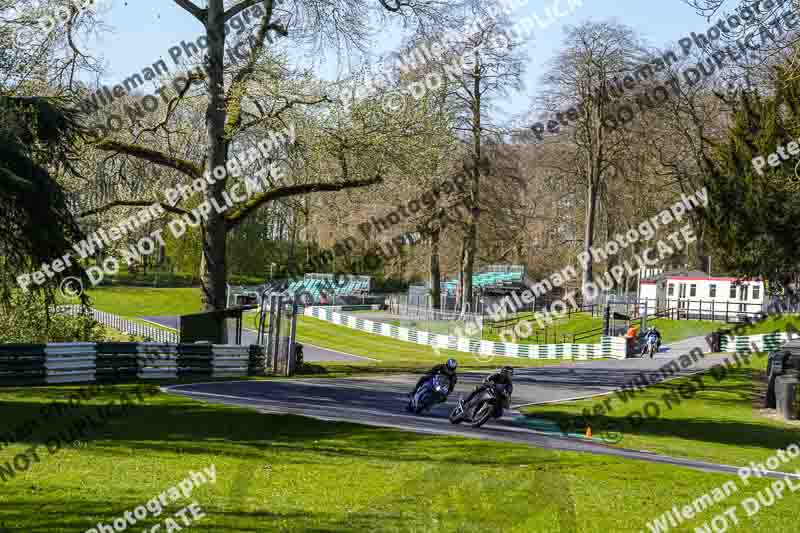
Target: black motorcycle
column 486, row 404
column 433, row 391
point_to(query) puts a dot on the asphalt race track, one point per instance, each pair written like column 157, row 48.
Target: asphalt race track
column 380, row 401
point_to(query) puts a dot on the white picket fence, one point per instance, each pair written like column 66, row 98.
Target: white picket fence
column 124, row 325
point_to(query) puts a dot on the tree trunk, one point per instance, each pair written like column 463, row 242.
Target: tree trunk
column 213, row 268
column 290, row 253
column 702, row 259
column 436, row 275
column 471, row 235
column 467, row 266
column 593, row 179
column 614, row 258
column 588, row 236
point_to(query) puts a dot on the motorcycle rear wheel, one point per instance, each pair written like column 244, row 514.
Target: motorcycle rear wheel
column 483, row 415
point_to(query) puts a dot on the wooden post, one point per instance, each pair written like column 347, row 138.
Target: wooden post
column 269, row 344
column 277, row 338
column 291, row 360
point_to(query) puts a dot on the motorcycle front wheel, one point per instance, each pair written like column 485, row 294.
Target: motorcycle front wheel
column 422, row 404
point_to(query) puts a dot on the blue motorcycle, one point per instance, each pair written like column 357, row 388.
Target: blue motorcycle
column 433, row 391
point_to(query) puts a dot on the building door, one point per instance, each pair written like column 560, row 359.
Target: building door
column 682, row 296
column 743, row 298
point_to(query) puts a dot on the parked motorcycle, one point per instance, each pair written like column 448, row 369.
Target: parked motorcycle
column 486, row 404
column 433, row 391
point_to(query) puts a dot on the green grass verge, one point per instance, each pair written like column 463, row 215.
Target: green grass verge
column 292, row 474
column 392, row 354
column 675, row 330
column 563, row 329
column 145, row 301
column 769, row 325
column 722, row 423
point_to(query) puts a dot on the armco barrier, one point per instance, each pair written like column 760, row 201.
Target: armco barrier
column 74, row 362
column 765, row 342
column 157, row 361
column 613, row 347
column 70, row 362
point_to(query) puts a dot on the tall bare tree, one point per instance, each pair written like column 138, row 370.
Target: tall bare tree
column 582, row 90
column 493, row 63
column 233, row 106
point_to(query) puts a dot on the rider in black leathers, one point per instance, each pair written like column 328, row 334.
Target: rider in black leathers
column 504, row 377
column 448, row 370
column 654, row 332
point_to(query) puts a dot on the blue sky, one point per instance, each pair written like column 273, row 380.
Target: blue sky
column 143, row 31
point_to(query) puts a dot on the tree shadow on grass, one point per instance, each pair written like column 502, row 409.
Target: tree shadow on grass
column 167, row 424
column 80, row 514
column 739, row 391
column 164, row 423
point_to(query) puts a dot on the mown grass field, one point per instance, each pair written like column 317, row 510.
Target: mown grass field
column 291, row 474
column 721, row 422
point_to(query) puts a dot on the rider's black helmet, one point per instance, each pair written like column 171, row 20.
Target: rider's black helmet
column 452, row 364
column 507, row 371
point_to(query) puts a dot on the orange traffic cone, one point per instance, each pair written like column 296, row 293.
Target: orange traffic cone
column 588, row 432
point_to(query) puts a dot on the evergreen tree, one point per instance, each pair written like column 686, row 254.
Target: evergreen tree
column 36, row 134
column 754, row 217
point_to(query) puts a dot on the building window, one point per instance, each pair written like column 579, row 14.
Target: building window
column 756, row 292
column 712, row 291
column 671, row 290
column 733, row 291
column 692, row 290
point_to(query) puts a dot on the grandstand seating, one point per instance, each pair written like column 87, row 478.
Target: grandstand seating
column 316, row 284
column 487, row 280
column 312, row 286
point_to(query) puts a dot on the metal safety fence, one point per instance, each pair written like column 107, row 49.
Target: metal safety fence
column 131, row 327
